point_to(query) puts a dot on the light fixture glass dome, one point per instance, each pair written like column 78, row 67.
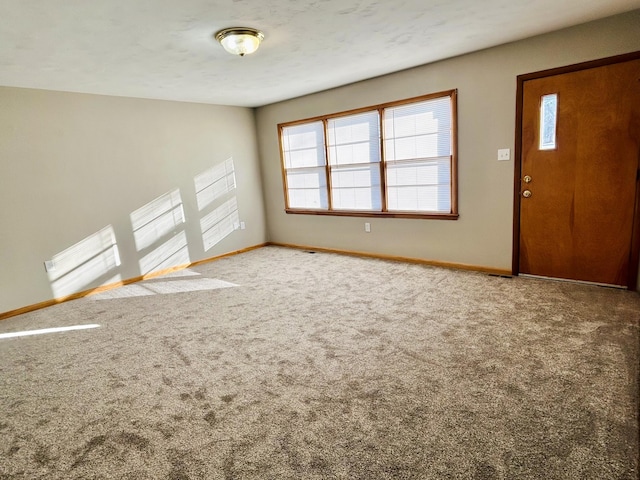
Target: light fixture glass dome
column 240, row 40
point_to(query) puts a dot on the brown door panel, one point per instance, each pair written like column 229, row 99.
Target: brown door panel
column 577, row 223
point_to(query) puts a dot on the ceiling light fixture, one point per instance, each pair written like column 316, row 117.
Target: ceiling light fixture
column 240, row 40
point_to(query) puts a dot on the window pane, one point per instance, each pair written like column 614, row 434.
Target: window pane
column 303, row 145
column 356, row 187
column 354, row 139
column 307, row 188
column 418, row 130
column 421, row 146
column 354, row 153
column 428, row 198
column 308, row 199
column 311, row 157
column 417, row 143
column 307, row 178
column 419, row 186
column 305, row 163
column 548, row 118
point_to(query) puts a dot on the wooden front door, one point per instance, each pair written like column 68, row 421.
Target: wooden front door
column 580, row 147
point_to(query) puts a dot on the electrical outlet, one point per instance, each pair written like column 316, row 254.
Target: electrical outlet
column 367, row 227
column 242, row 226
column 504, row 154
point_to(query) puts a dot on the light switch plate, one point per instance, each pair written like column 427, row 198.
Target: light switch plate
column 504, row 154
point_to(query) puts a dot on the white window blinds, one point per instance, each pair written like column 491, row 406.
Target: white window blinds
column 396, row 159
column 417, row 140
column 354, row 159
column 305, row 166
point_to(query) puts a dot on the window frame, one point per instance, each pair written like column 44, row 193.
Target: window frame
column 451, row 215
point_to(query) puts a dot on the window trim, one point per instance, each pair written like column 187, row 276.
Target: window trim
column 452, row 215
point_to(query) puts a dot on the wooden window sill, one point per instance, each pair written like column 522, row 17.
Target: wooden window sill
column 348, row 213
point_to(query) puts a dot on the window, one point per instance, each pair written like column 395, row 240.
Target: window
column 548, row 121
column 305, row 166
column 354, row 161
column 396, row 160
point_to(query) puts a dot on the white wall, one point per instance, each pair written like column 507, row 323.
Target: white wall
column 74, row 165
column 486, row 83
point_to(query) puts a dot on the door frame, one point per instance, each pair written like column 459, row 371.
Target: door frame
column 635, row 235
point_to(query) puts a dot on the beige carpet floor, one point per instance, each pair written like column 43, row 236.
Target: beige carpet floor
column 283, row 364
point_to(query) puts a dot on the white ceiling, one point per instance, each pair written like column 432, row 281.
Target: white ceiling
column 164, row 49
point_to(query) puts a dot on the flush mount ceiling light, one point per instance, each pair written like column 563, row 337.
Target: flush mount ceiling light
column 240, row 40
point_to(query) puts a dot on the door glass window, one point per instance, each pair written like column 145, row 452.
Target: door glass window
column 548, row 120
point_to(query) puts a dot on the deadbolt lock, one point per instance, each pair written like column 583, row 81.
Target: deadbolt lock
column 526, row 193
column 527, row 179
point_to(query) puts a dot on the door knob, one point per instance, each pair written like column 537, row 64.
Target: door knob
column 527, row 179
column 526, row 193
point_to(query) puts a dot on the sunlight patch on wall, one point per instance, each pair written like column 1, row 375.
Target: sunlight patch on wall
column 42, row 331
column 214, row 183
column 158, row 231
column 219, row 223
column 157, row 218
column 90, row 262
column 212, row 187
column 171, row 253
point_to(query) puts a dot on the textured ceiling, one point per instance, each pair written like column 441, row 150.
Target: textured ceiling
column 164, row 49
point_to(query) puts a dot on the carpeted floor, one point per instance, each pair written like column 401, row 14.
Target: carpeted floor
column 282, row 364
